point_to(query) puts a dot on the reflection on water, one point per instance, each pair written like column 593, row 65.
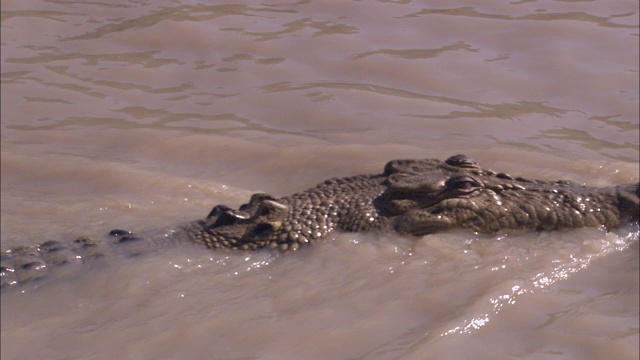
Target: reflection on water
column 144, row 114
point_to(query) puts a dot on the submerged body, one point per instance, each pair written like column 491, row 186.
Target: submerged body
column 411, row 197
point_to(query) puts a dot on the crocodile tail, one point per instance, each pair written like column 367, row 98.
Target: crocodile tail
column 24, row 264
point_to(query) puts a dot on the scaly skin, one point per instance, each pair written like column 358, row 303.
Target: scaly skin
column 412, row 197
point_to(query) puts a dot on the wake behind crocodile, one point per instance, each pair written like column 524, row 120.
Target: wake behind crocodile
column 458, row 281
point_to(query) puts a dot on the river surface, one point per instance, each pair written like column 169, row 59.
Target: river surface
column 144, row 114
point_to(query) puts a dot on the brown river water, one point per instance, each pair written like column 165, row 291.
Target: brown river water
column 144, row 114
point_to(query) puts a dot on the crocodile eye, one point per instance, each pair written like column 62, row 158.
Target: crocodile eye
column 463, row 184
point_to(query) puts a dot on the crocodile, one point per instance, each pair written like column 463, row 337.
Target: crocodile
column 410, row 197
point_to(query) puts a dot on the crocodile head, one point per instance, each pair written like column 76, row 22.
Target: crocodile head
column 427, row 196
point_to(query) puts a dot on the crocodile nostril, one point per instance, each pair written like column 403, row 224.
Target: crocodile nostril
column 119, row 232
column 461, row 161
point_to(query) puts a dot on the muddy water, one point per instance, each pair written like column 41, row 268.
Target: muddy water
column 144, row 114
